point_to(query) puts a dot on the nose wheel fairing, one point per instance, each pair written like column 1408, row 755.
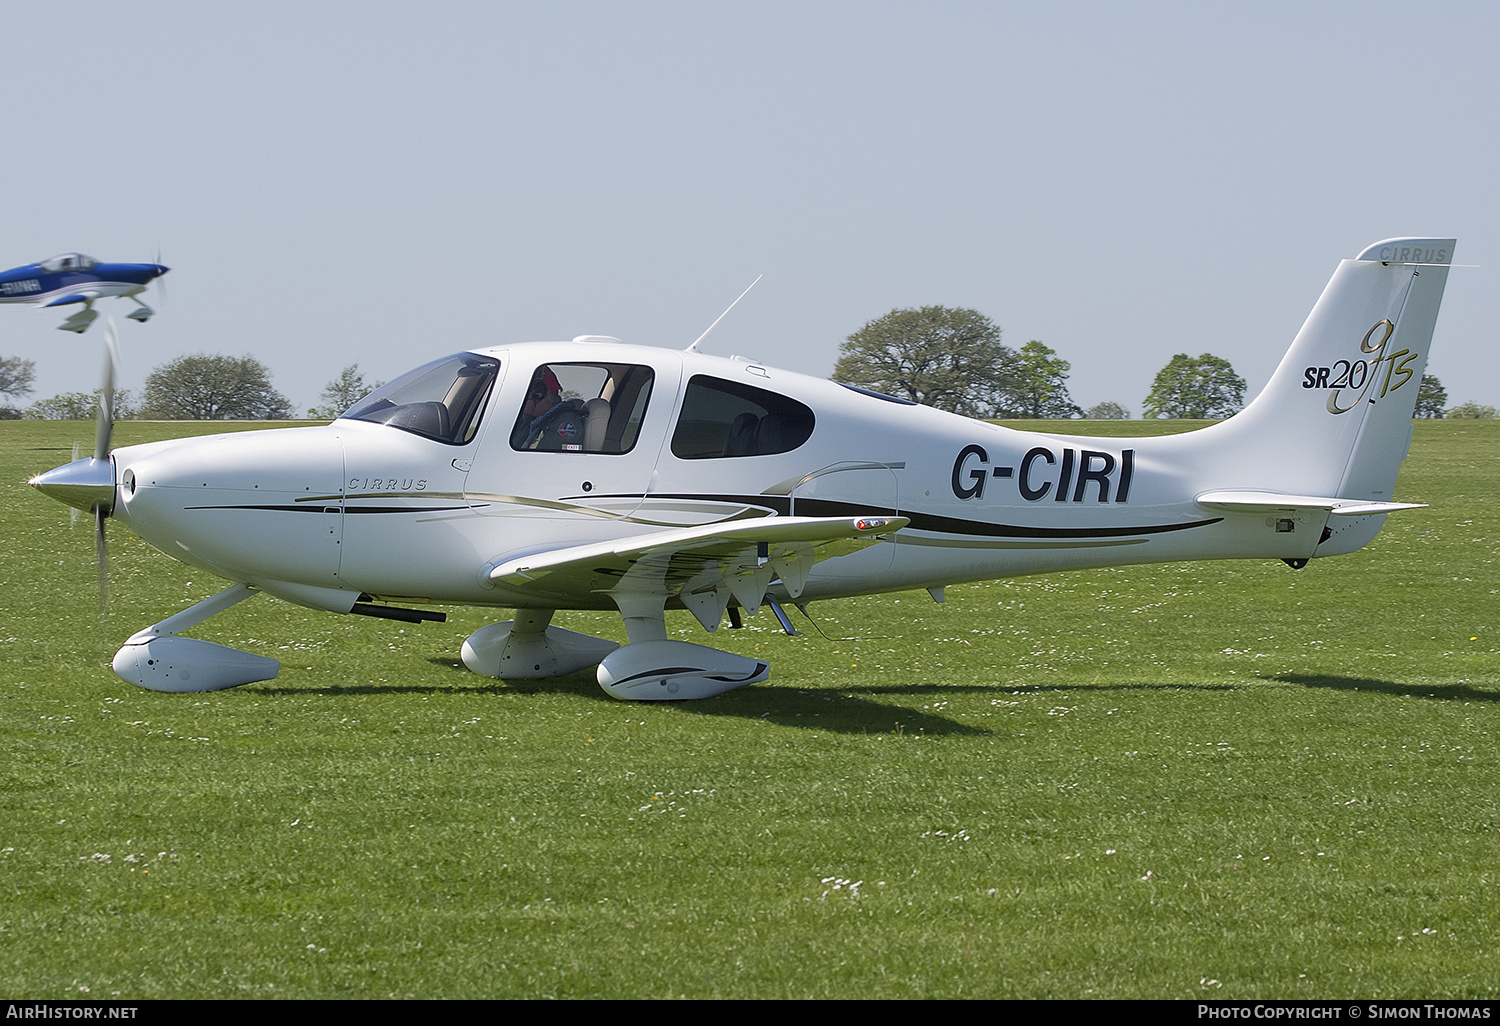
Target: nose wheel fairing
column 187, row 664
column 158, row 660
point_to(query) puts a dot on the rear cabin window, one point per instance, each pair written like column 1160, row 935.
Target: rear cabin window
column 583, row 407
column 727, row 419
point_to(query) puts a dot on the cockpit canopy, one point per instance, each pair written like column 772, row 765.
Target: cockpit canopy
column 441, row 400
column 68, row 262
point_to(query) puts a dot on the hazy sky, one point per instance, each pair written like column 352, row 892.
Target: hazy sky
column 389, row 182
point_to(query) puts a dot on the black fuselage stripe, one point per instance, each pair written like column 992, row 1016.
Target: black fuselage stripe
column 346, row 509
column 782, row 504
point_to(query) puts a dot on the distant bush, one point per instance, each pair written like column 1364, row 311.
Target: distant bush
column 1108, row 411
column 79, row 406
column 1472, row 411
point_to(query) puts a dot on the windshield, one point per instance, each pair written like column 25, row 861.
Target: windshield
column 441, row 400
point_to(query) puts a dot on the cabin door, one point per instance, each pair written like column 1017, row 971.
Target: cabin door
column 573, row 444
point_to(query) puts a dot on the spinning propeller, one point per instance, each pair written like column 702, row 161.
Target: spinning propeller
column 90, row 484
column 161, row 280
column 103, row 427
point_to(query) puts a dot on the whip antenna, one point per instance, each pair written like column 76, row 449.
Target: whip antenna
column 694, row 347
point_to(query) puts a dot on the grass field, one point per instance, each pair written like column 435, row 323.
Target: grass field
column 1217, row 780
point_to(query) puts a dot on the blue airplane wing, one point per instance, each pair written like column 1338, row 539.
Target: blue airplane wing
column 73, row 297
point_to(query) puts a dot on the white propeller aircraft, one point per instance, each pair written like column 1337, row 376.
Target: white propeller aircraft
column 594, row 475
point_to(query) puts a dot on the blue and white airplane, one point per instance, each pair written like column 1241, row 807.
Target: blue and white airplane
column 70, row 278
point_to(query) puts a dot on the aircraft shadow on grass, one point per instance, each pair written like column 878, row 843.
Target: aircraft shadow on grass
column 786, row 706
column 1447, row 692
column 843, row 710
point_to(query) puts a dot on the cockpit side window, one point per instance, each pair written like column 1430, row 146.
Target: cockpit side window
column 68, row 262
column 583, row 407
column 442, row 400
column 725, row 418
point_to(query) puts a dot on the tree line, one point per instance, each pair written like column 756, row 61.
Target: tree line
column 197, row 387
column 948, row 358
column 953, row 359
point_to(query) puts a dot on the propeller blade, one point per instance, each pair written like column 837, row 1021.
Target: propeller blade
column 101, row 551
column 106, row 421
column 73, row 511
column 161, row 280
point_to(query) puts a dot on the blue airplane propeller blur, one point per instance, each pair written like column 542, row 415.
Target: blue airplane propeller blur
column 77, row 278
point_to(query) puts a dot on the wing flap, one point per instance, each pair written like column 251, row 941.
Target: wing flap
column 704, row 565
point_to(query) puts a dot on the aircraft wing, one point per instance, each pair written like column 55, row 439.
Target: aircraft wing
column 702, row 566
column 1270, row 502
column 81, row 296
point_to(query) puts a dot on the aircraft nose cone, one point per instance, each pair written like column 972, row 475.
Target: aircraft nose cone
column 161, row 269
column 86, row 484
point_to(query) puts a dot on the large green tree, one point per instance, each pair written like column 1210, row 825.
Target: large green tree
column 343, row 392
column 16, row 375
column 212, row 388
column 1431, row 397
column 945, row 357
column 1040, row 388
column 1194, row 388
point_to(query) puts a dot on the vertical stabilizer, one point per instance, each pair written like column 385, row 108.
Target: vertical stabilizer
column 1335, row 419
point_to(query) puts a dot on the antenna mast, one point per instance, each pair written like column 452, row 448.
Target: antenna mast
column 694, row 347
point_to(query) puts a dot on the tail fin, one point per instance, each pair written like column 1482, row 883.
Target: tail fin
column 1335, row 419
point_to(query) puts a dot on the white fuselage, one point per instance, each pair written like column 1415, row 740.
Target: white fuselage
column 321, row 514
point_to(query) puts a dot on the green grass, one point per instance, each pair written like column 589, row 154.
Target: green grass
column 1212, row 780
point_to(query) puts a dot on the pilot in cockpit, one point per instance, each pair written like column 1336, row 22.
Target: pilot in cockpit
column 543, row 395
column 544, row 392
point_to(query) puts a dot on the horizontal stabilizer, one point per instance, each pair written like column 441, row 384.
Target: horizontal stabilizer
column 1271, row 502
